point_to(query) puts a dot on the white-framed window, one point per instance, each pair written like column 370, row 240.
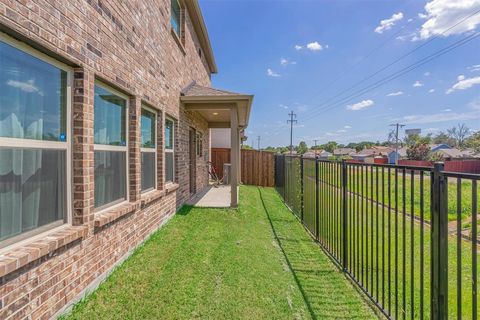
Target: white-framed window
column 148, row 149
column 110, row 146
column 176, row 17
column 169, row 150
column 35, row 141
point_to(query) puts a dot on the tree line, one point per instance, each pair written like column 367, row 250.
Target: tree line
column 418, row 146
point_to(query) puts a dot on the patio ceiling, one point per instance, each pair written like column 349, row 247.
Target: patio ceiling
column 216, row 105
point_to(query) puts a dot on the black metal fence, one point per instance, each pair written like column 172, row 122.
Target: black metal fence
column 407, row 236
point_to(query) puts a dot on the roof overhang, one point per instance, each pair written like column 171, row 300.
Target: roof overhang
column 216, row 110
column 201, row 30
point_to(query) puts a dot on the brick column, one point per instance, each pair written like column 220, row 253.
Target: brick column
column 134, row 141
column 160, row 150
column 82, row 154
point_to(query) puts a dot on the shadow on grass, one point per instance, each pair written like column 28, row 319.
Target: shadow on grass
column 323, row 287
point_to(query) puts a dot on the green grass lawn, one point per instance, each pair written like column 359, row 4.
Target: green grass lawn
column 371, row 244
column 256, row 262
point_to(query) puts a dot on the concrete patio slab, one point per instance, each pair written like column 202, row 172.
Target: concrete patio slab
column 212, row 197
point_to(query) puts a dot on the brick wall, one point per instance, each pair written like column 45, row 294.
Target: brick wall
column 129, row 46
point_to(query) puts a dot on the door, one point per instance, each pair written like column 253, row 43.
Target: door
column 192, row 159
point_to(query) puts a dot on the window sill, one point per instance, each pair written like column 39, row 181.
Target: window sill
column 171, row 186
column 151, row 196
column 109, row 215
column 178, row 41
column 18, row 256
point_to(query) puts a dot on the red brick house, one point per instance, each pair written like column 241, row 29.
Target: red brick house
column 105, row 110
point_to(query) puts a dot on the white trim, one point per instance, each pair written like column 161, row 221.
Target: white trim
column 150, row 150
column 106, row 147
column 6, row 142
column 34, row 143
column 103, row 147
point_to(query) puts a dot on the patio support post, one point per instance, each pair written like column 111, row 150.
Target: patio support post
column 235, row 157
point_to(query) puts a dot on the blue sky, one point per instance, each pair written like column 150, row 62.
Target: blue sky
column 304, row 55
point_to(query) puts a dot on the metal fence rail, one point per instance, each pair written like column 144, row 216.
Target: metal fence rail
column 407, row 236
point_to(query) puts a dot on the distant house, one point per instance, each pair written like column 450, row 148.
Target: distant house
column 471, row 153
column 440, row 146
column 452, row 153
column 341, row 152
column 372, row 153
column 321, row 154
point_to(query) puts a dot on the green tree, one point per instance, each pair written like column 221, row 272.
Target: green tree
column 418, row 150
column 444, row 138
column 301, row 148
column 459, row 134
column 330, row 146
column 473, row 142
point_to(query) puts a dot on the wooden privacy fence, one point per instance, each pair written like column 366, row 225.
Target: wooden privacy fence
column 258, row 168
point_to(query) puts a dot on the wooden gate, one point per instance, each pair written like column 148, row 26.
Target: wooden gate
column 257, row 166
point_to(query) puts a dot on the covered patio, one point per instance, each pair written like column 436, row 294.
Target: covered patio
column 221, row 109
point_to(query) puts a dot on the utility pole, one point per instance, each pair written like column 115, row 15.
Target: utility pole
column 291, row 121
column 397, row 128
column 258, row 142
column 315, row 141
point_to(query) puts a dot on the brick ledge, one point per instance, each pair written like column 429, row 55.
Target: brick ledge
column 22, row 255
column 171, row 187
column 105, row 217
column 151, row 196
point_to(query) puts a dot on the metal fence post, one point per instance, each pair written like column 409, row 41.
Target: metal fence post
column 301, row 188
column 439, row 242
column 317, row 201
column 344, row 226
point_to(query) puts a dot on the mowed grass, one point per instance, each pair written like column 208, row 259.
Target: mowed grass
column 390, row 187
column 256, row 262
column 389, row 254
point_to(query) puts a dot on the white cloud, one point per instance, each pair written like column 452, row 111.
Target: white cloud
column 440, row 117
column 285, row 62
column 418, row 84
column 360, row 105
column 442, row 14
column 283, row 106
column 464, row 83
column 26, row 86
column 474, row 68
column 447, row 110
column 393, row 94
column 347, row 127
column 314, row 46
column 387, row 24
column 331, row 134
column 431, row 91
column 426, row 74
column 272, row 73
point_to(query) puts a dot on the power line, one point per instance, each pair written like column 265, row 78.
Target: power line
column 402, row 71
column 291, row 121
column 401, row 57
column 396, row 74
column 258, row 142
